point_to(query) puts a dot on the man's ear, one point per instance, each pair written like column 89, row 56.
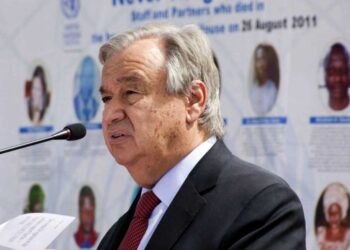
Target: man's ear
column 197, row 101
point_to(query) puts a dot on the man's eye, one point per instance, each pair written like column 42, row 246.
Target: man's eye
column 130, row 92
column 106, row 99
column 132, row 96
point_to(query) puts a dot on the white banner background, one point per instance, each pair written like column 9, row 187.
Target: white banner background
column 58, row 35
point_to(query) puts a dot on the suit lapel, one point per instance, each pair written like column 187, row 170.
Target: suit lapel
column 178, row 216
column 123, row 225
column 188, row 201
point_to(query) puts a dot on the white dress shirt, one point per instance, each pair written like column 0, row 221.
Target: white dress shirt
column 168, row 186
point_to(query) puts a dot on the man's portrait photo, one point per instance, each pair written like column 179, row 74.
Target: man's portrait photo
column 337, row 77
column 86, row 236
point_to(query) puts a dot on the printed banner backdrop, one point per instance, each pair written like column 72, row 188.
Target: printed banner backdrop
column 285, row 88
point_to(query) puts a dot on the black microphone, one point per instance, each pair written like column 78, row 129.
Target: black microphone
column 70, row 132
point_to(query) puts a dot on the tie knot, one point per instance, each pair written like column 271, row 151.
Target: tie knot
column 146, row 205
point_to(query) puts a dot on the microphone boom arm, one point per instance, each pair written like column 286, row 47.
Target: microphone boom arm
column 71, row 132
column 27, row 144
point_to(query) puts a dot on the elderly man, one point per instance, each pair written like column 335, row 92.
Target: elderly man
column 162, row 121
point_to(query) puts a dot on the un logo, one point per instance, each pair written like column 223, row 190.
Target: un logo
column 70, row 8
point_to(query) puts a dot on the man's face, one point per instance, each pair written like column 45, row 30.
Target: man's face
column 143, row 125
column 337, row 76
column 87, row 214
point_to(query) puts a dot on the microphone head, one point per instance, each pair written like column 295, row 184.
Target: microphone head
column 76, row 131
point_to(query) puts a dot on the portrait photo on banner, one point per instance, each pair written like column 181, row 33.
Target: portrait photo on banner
column 264, row 79
column 35, row 202
column 86, row 235
column 334, row 81
column 332, row 218
column 37, row 95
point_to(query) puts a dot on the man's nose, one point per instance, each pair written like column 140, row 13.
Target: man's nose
column 113, row 113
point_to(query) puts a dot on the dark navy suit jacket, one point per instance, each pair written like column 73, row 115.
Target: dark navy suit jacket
column 225, row 203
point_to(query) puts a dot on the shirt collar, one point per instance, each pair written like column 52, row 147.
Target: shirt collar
column 168, row 186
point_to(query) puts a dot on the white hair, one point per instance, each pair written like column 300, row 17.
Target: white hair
column 189, row 57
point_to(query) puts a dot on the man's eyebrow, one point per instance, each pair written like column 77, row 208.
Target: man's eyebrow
column 130, row 78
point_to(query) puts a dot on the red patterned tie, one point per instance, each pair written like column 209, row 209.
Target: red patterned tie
column 139, row 222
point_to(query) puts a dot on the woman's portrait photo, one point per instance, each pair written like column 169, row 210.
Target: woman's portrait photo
column 37, row 95
column 332, row 218
column 265, row 79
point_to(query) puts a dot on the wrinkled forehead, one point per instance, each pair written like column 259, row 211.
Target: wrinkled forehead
column 132, row 62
